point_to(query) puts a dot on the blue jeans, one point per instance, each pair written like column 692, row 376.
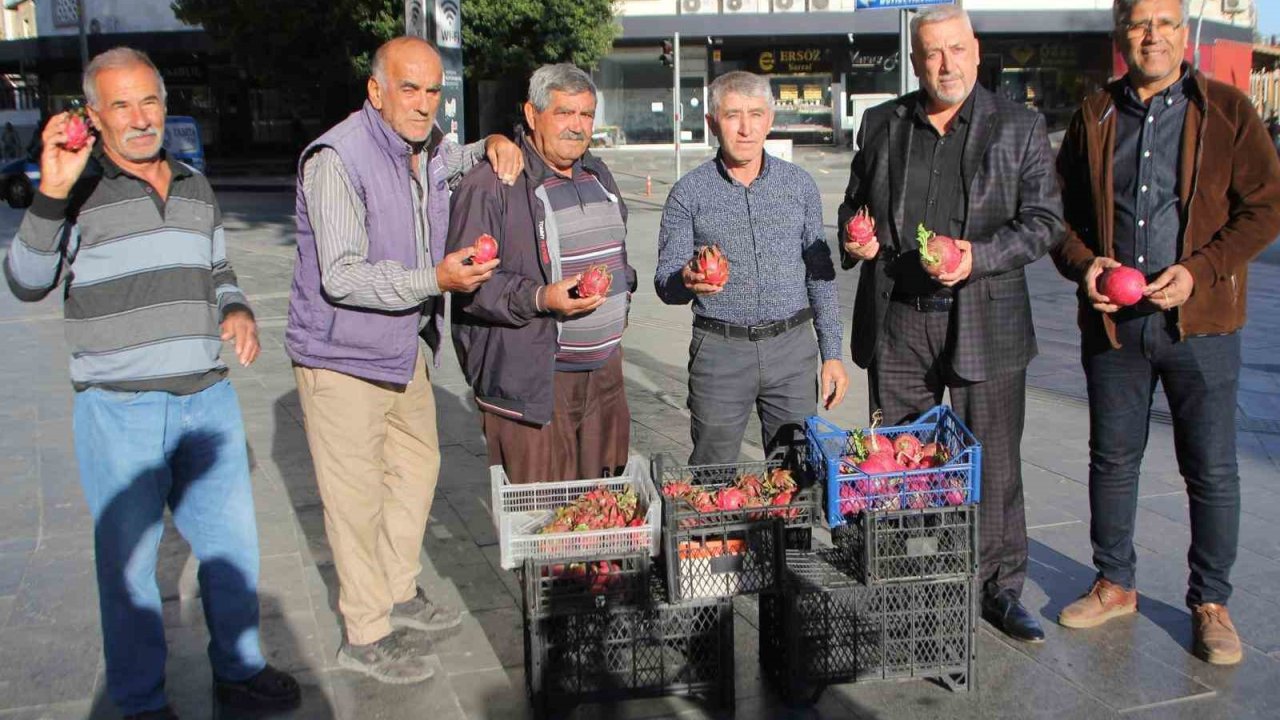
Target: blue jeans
column 1200, row 376
column 138, row 453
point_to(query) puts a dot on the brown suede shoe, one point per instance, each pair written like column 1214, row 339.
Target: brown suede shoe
column 1216, row 639
column 1105, row 600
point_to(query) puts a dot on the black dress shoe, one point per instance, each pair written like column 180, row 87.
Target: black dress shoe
column 1010, row 617
column 270, row 689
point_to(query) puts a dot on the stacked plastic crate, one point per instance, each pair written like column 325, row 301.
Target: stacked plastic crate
column 597, row 624
column 895, row 597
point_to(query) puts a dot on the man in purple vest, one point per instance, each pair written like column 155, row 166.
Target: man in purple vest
column 373, row 210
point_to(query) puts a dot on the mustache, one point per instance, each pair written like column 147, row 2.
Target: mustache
column 135, row 134
column 572, row 135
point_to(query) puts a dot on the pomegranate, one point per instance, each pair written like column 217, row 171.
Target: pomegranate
column 77, row 130
column 878, row 444
column 879, row 463
column 939, row 254
column 486, row 248
column 956, row 492
column 1122, row 285
column 711, row 263
column 595, row 281
column 861, row 228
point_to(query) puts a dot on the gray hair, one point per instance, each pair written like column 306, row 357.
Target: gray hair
column 941, row 13
column 114, row 59
column 378, row 66
column 563, row 77
column 1120, row 10
column 740, row 82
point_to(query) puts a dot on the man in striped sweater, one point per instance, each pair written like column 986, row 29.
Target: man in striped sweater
column 149, row 298
column 544, row 363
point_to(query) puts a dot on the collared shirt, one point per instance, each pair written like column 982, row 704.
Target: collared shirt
column 934, row 193
column 1148, row 213
column 149, row 283
column 342, row 244
column 772, row 233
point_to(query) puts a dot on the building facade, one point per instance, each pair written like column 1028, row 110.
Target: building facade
column 829, row 60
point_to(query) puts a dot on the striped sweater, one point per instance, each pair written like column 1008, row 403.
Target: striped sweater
column 585, row 228
column 147, row 281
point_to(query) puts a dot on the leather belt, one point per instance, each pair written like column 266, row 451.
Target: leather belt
column 752, row 332
column 924, row 303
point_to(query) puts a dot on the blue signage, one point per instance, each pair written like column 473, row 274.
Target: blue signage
column 899, row 4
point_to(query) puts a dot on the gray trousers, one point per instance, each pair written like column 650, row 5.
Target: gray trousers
column 778, row 377
column 908, row 376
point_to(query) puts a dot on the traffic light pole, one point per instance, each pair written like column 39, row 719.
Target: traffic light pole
column 677, row 109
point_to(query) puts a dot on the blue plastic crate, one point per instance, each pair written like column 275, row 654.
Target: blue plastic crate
column 850, row 491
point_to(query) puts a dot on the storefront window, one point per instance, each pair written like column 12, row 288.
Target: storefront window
column 802, row 106
column 635, row 97
column 1048, row 74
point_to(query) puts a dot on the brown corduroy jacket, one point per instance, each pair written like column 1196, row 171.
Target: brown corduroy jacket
column 1229, row 193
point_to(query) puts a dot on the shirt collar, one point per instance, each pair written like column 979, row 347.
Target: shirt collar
column 111, row 170
column 964, row 116
column 1184, row 88
column 765, row 164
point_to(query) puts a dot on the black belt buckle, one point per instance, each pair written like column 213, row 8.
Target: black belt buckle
column 761, row 332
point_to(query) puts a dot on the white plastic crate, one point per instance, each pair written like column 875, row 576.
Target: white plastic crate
column 520, row 510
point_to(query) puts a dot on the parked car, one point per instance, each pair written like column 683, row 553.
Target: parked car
column 20, row 178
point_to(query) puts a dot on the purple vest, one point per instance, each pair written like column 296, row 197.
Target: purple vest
column 370, row 344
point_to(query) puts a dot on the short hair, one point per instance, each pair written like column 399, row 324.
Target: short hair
column 1120, row 10
column 562, row 77
column 740, row 82
column 941, row 13
column 114, row 59
column 378, row 67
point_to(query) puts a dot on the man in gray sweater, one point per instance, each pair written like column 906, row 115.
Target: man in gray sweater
column 753, row 340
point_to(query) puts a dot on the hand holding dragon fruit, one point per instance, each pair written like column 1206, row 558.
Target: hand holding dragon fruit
column 711, row 263
column 861, row 228
column 78, row 130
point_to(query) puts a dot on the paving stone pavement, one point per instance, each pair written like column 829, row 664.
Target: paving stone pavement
column 50, row 645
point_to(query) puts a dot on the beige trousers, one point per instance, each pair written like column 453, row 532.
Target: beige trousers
column 377, row 457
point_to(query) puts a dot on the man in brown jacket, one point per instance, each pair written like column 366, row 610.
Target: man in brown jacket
column 1172, row 174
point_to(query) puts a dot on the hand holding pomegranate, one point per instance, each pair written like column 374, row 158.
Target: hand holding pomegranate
column 458, row 272
column 67, row 145
column 1089, row 283
column 558, row 297
column 1171, row 288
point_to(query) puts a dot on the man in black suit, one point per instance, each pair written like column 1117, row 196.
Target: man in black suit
column 970, row 165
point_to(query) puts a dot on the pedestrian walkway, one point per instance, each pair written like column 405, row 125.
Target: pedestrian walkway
column 50, row 645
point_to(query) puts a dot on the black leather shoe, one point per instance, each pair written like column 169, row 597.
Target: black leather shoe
column 270, row 689
column 1010, row 617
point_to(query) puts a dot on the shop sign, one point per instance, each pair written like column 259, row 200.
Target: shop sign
column 793, row 60
column 859, row 60
column 1044, row 55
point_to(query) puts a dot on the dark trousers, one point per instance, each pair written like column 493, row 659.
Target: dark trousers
column 728, row 377
column 910, row 371
column 588, row 436
column 1200, row 377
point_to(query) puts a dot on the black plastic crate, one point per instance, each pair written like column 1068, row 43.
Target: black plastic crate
column 823, row 627
column 911, row 545
column 621, row 653
column 722, row 553
column 558, row 587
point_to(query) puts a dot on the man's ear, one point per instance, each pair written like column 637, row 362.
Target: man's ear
column 530, row 112
column 374, row 91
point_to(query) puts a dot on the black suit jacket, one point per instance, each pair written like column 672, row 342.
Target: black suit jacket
column 1013, row 215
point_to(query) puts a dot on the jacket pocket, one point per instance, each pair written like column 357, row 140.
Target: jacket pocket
column 1006, row 287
